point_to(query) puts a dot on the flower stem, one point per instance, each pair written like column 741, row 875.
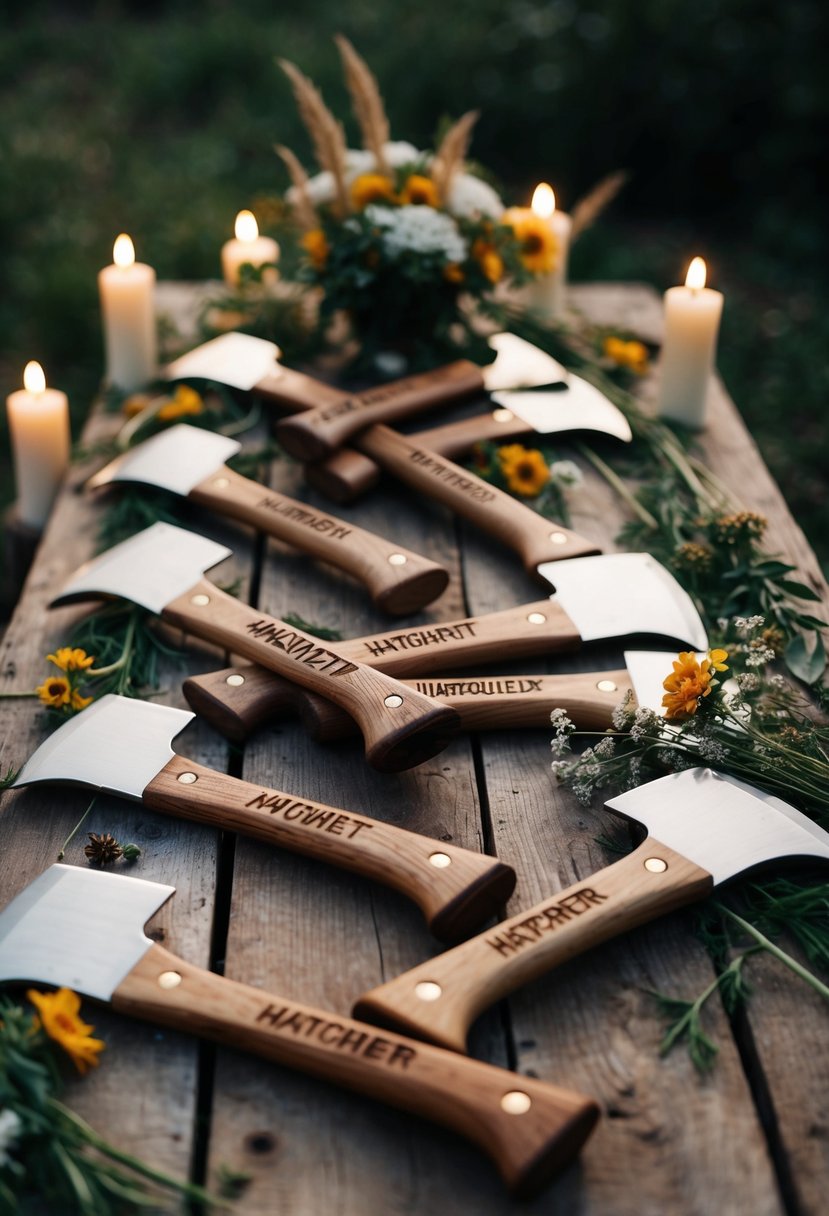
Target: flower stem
column 781, row 955
column 124, row 656
column 619, row 486
column 75, row 828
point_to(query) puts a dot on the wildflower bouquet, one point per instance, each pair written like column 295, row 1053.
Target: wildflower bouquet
column 398, row 238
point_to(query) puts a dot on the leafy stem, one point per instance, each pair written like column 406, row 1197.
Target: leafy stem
column 766, row 943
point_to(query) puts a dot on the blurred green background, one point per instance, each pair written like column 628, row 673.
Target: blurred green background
column 160, row 118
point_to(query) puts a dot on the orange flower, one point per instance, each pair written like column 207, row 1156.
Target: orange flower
column 525, row 469
column 489, row 260
column 55, row 692
column 690, row 681
column 71, row 658
column 420, row 190
column 632, row 355
column 135, row 404
column 371, row 188
column 185, row 400
column 453, row 273
column 316, row 246
column 539, row 244
column 59, row 1017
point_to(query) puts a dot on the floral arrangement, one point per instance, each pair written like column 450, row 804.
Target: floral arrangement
column 398, row 238
column 46, row 1150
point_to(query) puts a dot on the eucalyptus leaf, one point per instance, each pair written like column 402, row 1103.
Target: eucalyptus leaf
column 808, row 665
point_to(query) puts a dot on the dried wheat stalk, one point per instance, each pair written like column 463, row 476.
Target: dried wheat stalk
column 303, row 208
column 366, row 102
column 451, row 154
column 326, row 133
column 588, row 209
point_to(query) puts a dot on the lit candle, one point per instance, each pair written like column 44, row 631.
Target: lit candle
column 39, row 428
column 546, row 294
column 692, row 321
column 249, row 248
column 126, row 291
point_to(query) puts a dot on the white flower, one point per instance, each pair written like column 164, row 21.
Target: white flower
column 567, row 472
column 471, row 197
column 320, row 187
column 417, row 229
column 10, row 1129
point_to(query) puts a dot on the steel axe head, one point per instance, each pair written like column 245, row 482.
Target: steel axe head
column 78, row 928
column 176, row 460
column 151, row 568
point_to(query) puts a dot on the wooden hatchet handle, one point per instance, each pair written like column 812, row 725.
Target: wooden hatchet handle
column 238, row 699
column 318, row 432
column 455, row 889
column 348, row 474
column 529, row 1128
column 440, row 999
column 397, row 580
column 400, row 727
column 518, row 527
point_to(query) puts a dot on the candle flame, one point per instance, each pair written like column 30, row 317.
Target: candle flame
column 34, row 380
column 695, row 278
column 544, row 201
column 246, row 227
column 123, row 251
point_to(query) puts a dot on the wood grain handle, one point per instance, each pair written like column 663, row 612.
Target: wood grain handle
column 316, row 433
column 530, row 1129
column 237, row 700
column 455, row 888
column 397, row 580
column 493, row 702
column 345, row 476
column 401, row 728
column 515, row 525
column 440, row 999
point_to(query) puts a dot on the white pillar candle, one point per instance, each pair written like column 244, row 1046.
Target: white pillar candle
column 39, row 428
column 546, row 294
column 126, row 290
column 248, row 248
column 692, row 321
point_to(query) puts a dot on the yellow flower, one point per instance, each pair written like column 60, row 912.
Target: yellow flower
column 690, row 681
column 55, row 692
column 59, row 1016
column 78, row 702
column 371, row 188
column 525, row 469
column 135, row 404
column 316, row 246
column 69, row 658
column 185, row 400
column 420, row 190
column 632, row 355
column 539, row 244
column 489, row 260
column 453, row 273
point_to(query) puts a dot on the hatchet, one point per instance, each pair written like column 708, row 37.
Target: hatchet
column 515, row 525
column 703, row 829
column 123, row 746
column 84, row 929
column 160, row 569
column 320, row 431
column 615, row 595
column 190, row 461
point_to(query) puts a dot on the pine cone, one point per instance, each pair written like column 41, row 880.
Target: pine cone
column 102, row 849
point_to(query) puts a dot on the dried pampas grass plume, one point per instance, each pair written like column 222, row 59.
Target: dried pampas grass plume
column 366, row 102
column 588, row 209
column 326, row 133
column 451, row 154
column 303, row 208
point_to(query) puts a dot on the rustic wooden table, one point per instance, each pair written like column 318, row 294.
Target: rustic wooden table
column 750, row 1138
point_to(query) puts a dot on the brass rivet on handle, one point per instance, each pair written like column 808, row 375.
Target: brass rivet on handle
column 427, row 990
column 656, row 865
column 393, row 701
column 201, row 600
column 236, row 680
column 397, row 559
column 536, row 618
column 607, row 686
column 187, row 778
column 169, row 979
column 221, row 483
column 516, row 1102
column 440, row 860
column 558, row 538
column 502, row 415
